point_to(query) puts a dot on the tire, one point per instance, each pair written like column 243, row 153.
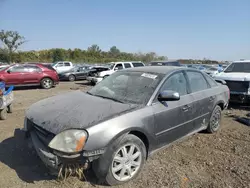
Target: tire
column 214, row 123
column 3, row 114
column 72, row 78
column 108, row 168
column 10, row 108
column 46, row 83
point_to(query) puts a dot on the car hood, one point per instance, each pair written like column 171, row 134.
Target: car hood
column 74, row 110
column 234, row 76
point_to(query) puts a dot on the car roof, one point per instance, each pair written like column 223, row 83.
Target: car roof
column 156, row 69
column 242, row 61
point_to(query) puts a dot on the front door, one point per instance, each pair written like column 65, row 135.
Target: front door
column 174, row 119
column 14, row 75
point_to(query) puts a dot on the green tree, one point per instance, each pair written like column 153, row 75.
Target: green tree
column 94, row 48
column 57, row 55
column 114, row 51
column 12, row 40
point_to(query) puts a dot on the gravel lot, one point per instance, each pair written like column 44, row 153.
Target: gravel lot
column 202, row 160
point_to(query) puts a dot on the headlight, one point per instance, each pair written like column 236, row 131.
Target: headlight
column 70, row 141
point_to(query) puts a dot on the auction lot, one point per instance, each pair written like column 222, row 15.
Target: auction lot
column 203, row 160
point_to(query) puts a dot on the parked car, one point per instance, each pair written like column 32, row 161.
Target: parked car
column 124, row 119
column 76, row 73
column 165, row 63
column 237, row 78
column 94, row 72
column 212, row 71
column 62, row 66
column 113, row 67
column 29, row 75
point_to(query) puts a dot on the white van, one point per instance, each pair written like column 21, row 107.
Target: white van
column 62, row 66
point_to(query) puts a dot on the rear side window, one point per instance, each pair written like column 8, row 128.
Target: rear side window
column 138, row 64
column 127, row 65
column 32, row 69
column 67, row 64
column 49, row 67
column 211, row 81
column 197, row 81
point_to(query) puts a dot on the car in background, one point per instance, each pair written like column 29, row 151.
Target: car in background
column 165, row 63
column 62, row 66
column 212, row 71
column 120, row 122
column 29, row 75
column 237, row 78
column 76, row 73
column 113, row 67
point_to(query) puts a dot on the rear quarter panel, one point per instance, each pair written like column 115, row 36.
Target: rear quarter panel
column 142, row 120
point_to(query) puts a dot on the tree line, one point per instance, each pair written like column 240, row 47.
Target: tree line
column 12, row 40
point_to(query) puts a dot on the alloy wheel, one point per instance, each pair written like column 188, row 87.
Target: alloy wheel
column 126, row 162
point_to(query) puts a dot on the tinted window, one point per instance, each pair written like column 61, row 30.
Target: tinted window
column 211, row 81
column 49, row 67
column 138, row 64
column 239, row 67
column 119, row 66
column 127, row 65
column 197, row 81
column 67, row 64
column 176, row 82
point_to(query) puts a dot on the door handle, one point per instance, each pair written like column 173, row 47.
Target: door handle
column 186, row 108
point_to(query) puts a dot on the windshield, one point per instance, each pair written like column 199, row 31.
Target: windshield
column 238, row 67
column 128, row 87
column 110, row 65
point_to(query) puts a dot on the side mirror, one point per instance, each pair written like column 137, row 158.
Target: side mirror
column 8, row 71
column 168, row 95
column 116, row 69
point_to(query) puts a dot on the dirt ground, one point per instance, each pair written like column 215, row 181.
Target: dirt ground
column 203, row 160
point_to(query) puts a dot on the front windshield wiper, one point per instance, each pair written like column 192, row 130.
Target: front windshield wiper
column 116, row 100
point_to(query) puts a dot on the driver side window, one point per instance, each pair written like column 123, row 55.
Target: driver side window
column 119, row 66
column 177, row 82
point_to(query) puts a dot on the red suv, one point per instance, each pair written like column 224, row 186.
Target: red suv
column 30, row 75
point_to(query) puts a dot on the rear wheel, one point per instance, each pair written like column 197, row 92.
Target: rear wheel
column 3, row 114
column 10, row 108
column 122, row 161
column 46, row 83
column 72, row 78
column 215, row 119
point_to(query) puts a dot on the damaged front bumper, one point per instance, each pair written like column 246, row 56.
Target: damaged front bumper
column 54, row 160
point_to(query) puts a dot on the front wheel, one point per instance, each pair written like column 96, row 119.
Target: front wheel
column 215, row 119
column 122, row 161
column 46, row 83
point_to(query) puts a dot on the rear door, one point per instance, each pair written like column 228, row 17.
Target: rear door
column 31, row 74
column 174, row 119
column 200, row 91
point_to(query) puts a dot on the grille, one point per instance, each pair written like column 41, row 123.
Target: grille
column 237, row 86
column 42, row 134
